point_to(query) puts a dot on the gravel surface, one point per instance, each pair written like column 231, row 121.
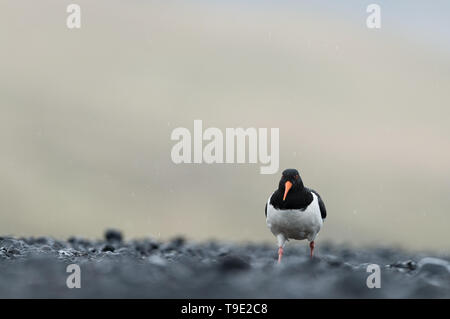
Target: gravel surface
column 147, row 268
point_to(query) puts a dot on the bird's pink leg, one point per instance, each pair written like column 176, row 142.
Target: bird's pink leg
column 280, row 254
column 311, row 246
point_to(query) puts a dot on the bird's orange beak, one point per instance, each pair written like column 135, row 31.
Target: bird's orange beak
column 287, row 187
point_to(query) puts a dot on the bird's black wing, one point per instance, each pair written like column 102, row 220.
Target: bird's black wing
column 323, row 210
column 265, row 210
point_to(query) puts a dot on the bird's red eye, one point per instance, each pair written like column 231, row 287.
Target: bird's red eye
column 296, row 176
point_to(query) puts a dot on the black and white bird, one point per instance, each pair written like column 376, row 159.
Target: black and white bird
column 294, row 211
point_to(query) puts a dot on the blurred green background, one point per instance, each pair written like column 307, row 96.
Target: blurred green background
column 86, row 117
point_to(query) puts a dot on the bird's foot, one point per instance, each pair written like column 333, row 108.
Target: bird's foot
column 280, row 254
column 311, row 246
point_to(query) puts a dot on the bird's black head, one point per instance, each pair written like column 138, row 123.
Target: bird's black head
column 290, row 182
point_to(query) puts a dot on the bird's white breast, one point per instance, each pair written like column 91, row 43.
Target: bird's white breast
column 295, row 223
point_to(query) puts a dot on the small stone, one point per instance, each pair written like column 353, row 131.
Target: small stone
column 46, row 248
column 41, row 240
column 113, row 235
column 223, row 251
column 78, row 242
column 108, row 248
column 57, row 245
column 69, row 252
column 434, row 266
column 233, row 263
column 157, row 260
column 154, row 245
column 408, row 264
column 178, row 241
column 13, row 251
column 174, row 244
column 334, row 261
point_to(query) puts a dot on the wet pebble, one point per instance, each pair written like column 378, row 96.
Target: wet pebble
column 408, row 265
column 233, row 263
column 108, row 248
column 113, row 235
column 434, row 266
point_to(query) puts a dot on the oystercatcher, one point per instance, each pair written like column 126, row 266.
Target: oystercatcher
column 294, row 211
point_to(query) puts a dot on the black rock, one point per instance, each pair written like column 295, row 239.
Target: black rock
column 178, row 242
column 79, row 242
column 41, row 240
column 113, row 235
column 145, row 247
column 174, row 244
column 434, row 266
column 233, row 263
column 334, row 261
column 408, row 264
column 108, row 247
column 13, row 251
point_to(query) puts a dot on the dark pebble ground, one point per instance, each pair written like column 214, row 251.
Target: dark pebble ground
column 146, row 268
